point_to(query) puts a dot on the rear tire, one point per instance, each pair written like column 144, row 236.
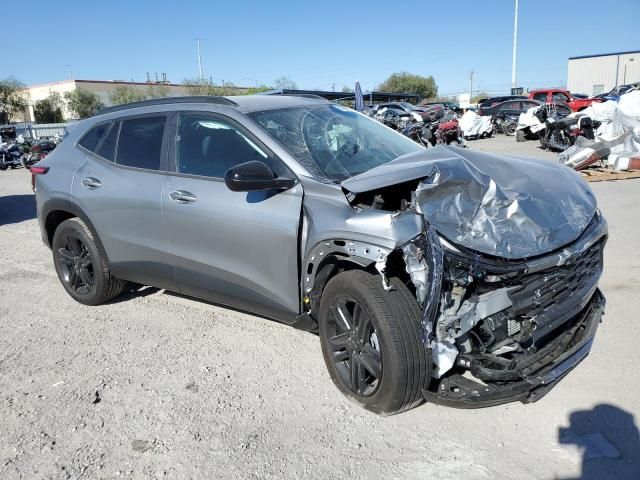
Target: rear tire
column 520, row 137
column 391, row 322
column 510, row 129
column 543, row 140
column 80, row 266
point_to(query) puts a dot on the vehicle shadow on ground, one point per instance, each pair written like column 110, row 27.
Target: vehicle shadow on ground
column 17, row 208
column 133, row 290
column 609, row 439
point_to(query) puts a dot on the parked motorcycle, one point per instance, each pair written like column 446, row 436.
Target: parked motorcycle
column 449, row 132
column 38, row 151
column 10, row 156
column 420, row 133
column 560, row 133
column 503, row 123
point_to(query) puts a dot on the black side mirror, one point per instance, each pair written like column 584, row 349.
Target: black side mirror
column 254, row 176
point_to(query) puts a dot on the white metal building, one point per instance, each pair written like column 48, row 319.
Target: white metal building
column 596, row 74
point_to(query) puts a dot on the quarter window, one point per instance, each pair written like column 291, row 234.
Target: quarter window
column 107, row 148
column 140, row 142
column 208, row 146
column 92, row 138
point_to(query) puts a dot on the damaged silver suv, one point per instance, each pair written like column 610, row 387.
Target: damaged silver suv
column 463, row 278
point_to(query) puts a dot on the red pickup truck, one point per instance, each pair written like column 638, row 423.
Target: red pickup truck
column 558, row 95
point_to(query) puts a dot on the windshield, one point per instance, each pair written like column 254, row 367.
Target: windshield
column 334, row 142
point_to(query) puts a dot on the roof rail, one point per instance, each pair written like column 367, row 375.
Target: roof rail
column 168, row 101
column 306, row 95
column 290, row 93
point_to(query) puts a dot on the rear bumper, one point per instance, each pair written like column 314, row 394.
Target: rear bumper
column 462, row 392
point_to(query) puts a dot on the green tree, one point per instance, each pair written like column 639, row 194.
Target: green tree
column 49, row 110
column 126, row 94
column 14, row 99
column 405, row 82
column 285, row 83
column 82, row 102
column 346, row 89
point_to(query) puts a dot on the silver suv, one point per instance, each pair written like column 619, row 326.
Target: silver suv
column 464, row 278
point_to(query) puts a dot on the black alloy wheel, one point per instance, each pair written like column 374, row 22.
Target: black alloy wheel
column 80, row 265
column 354, row 346
column 76, row 264
column 371, row 341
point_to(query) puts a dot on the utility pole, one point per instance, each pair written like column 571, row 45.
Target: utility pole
column 515, row 48
column 69, row 68
column 471, row 85
column 199, row 61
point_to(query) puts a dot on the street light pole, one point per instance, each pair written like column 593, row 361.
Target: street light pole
column 515, row 48
column 471, row 86
column 199, row 61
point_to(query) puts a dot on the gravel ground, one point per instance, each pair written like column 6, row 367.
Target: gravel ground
column 154, row 385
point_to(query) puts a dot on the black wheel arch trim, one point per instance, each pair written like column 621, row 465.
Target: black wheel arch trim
column 63, row 205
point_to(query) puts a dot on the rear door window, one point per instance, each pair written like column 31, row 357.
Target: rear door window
column 140, row 142
column 509, row 106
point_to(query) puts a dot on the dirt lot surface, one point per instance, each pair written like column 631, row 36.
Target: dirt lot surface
column 157, row 386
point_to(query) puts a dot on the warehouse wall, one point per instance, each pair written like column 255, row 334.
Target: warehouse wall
column 594, row 75
column 102, row 89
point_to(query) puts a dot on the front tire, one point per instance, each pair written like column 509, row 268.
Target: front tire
column 81, row 268
column 371, row 342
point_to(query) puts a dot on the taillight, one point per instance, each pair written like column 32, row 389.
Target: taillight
column 37, row 170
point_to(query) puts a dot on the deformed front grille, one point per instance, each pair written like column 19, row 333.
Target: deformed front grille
column 552, row 296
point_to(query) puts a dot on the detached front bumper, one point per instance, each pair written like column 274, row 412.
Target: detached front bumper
column 462, row 392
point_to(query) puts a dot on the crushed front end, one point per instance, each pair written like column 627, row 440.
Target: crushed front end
column 506, row 269
column 502, row 330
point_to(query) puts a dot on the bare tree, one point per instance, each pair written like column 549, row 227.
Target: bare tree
column 285, row 83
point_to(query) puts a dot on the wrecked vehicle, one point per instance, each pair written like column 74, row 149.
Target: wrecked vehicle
column 463, row 278
column 475, row 126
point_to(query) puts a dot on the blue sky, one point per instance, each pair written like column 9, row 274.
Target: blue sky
column 317, row 44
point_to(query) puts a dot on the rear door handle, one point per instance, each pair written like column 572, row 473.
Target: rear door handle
column 182, row 196
column 91, row 182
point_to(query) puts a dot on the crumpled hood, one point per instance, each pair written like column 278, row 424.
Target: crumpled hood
column 505, row 206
